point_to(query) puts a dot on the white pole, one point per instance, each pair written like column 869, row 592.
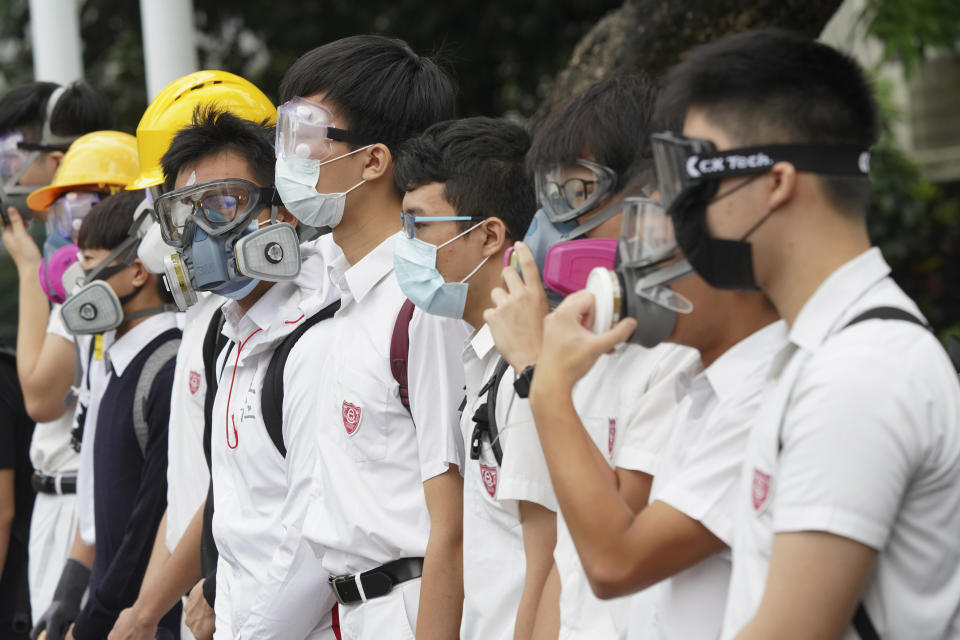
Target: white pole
column 55, row 32
column 169, row 44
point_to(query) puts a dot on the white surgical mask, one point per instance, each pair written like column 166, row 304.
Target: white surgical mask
column 296, row 181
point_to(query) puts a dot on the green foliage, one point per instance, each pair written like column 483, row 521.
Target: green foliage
column 908, row 28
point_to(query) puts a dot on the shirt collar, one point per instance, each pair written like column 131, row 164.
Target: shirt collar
column 359, row 279
column 481, row 342
column 279, row 306
column 746, row 359
column 823, row 311
column 125, row 348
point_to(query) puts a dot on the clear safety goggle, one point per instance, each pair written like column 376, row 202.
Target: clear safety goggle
column 569, row 191
column 12, row 156
column 305, row 129
column 217, row 207
column 646, row 233
column 411, row 222
column 695, row 167
column 66, row 213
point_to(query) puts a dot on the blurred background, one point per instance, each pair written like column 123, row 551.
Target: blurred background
column 516, row 58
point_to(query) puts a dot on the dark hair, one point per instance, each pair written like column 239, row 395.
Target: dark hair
column 772, row 86
column 214, row 131
column 480, row 163
column 384, row 91
column 79, row 109
column 108, row 223
column 609, row 119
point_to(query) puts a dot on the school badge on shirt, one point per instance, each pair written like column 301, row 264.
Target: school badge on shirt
column 194, row 382
column 761, row 488
column 489, row 477
column 351, row 414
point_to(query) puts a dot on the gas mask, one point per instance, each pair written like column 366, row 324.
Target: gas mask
column 303, row 145
column 647, row 260
column 689, row 172
column 219, row 244
column 61, row 273
column 94, row 307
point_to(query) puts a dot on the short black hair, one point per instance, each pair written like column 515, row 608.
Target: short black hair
column 383, row 89
column 213, row 131
column 610, row 119
column 772, row 86
column 480, row 163
column 80, row 109
column 108, row 222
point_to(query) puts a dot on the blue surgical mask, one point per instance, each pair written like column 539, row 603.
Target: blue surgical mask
column 415, row 263
column 296, row 179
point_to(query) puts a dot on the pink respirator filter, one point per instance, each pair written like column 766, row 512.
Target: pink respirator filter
column 568, row 264
column 51, row 273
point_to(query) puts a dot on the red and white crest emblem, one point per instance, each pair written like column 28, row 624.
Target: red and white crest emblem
column 194, row 382
column 611, row 434
column 761, row 488
column 489, row 476
column 351, row 417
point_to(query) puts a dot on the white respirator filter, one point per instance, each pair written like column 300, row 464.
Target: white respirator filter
column 94, row 308
column 271, row 253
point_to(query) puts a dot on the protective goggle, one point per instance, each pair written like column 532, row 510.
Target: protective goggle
column 569, row 191
column 410, row 222
column 217, row 207
column 13, row 157
column 646, row 234
column 305, row 130
column 690, row 165
column 66, row 213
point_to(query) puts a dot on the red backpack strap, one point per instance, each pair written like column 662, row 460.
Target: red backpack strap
column 400, row 350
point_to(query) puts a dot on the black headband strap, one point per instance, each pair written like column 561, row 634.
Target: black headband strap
column 833, row 160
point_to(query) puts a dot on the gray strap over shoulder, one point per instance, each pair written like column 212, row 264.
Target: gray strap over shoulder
column 156, row 361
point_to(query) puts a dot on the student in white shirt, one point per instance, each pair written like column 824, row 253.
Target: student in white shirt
column 467, row 195
column 849, row 502
column 386, row 498
column 585, row 156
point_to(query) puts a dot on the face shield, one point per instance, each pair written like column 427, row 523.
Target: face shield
column 66, row 214
column 218, row 207
column 305, row 130
column 569, row 191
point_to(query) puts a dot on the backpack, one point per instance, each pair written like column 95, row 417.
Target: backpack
column 485, row 416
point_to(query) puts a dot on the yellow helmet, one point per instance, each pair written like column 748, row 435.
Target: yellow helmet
column 173, row 108
column 98, row 161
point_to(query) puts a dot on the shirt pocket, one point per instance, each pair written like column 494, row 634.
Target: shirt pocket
column 362, row 405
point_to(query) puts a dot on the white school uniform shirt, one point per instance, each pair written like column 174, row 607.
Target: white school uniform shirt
column 869, row 420
column 249, row 473
column 627, row 404
column 367, row 503
column 51, row 449
column 90, row 396
column 698, row 474
column 187, row 474
column 494, row 564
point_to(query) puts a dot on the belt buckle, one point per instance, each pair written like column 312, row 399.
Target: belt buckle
column 335, row 581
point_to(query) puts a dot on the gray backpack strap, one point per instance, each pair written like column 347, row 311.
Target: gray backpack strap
column 156, row 361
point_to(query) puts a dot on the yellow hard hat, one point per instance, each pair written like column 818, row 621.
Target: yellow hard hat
column 173, row 108
column 98, row 161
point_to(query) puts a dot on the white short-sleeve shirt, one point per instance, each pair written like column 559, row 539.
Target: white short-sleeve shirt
column 494, row 564
column 869, row 420
column 698, row 475
column 51, row 449
column 187, row 473
column 627, row 404
column 367, row 503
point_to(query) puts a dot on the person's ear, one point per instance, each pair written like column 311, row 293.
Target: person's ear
column 783, row 186
column 378, row 162
column 494, row 236
column 140, row 273
column 285, row 216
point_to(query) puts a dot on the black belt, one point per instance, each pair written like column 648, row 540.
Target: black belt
column 57, row 485
column 376, row 582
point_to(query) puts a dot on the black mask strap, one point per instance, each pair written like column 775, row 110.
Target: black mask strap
column 833, row 160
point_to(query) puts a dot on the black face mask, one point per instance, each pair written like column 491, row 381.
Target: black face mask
column 690, row 171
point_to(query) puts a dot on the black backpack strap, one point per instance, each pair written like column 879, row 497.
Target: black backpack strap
column 209, row 554
column 271, row 396
column 485, row 417
column 863, row 624
column 886, row 313
column 400, row 351
column 953, row 350
column 213, row 343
